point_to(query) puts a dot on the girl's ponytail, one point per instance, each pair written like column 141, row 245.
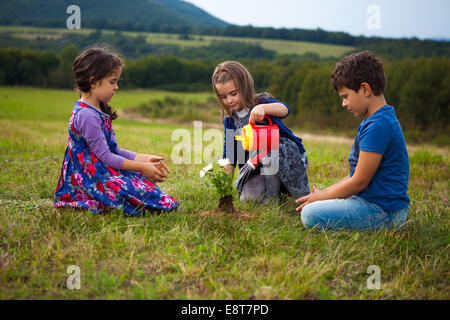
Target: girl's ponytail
column 106, row 108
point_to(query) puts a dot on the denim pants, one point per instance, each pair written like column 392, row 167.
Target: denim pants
column 353, row 213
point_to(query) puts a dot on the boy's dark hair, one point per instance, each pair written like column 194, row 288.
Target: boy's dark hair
column 357, row 68
column 98, row 63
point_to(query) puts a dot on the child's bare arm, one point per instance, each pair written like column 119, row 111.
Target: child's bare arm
column 147, row 158
column 274, row 109
column 334, row 185
column 368, row 163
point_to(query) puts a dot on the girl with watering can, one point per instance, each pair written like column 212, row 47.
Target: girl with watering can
column 271, row 159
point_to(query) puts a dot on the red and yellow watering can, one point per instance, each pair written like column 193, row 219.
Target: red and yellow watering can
column 263, row 138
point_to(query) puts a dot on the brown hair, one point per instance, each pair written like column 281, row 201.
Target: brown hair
column 357, row 68
column 98, row 63
column 233, row 70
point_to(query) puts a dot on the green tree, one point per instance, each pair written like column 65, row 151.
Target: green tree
column 425, row 95
column 62, row 76
column 293, row 85
column 319, row 103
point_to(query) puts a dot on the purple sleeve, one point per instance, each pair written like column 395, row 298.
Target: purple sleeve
column 122, row 152
column 87, row 122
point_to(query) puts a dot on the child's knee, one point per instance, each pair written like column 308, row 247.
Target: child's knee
column 254, row 189
column 309, row 216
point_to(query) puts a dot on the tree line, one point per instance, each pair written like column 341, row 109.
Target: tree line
column 418, row 88
column 128, row 16
column 132, row 47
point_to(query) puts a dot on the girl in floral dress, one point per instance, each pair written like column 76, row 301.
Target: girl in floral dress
column 96, row 174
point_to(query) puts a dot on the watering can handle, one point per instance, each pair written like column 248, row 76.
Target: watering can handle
column 270, row 121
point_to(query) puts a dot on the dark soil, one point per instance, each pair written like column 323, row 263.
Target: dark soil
column 226, row 204
column 226, row 207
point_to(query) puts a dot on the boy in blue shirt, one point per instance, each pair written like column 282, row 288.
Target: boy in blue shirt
column 374, row 195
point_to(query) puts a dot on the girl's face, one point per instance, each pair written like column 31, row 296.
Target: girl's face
column 104, row 90
column 229, row 95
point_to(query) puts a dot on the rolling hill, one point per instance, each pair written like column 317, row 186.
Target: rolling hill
column 184, row 19
column 115, row 14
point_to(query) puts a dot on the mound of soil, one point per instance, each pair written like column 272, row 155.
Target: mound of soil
column 226, row 207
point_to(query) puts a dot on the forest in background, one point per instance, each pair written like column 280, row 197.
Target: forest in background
column 179, row 17
column 418, row 71
column 418, row 88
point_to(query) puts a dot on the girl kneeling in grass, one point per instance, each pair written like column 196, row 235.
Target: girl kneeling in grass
column 96, row 174
column 234, row 88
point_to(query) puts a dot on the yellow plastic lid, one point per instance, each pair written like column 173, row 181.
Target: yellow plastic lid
column 246, row 137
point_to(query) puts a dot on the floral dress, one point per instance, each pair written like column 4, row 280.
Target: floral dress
column 85, row 182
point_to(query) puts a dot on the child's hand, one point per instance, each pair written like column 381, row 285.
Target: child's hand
column 315, row 195
column 161, row 165
column 257, row 114
column 229, row 168
column 155, row 171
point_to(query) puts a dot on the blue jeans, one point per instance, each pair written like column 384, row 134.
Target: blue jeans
column 353, row 213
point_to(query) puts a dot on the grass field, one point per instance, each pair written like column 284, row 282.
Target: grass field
column 279, row 46
column 183, row 255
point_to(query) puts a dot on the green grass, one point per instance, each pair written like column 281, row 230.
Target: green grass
column 183, row 255
column 20, row 103
column 279, row 46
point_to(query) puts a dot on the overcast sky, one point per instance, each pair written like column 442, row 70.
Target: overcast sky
column 385, row 18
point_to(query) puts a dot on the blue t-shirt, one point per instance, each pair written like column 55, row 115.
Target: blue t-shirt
column 382, row 133
column 230, row 147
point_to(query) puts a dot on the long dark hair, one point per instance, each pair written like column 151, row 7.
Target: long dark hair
column 93, row 65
